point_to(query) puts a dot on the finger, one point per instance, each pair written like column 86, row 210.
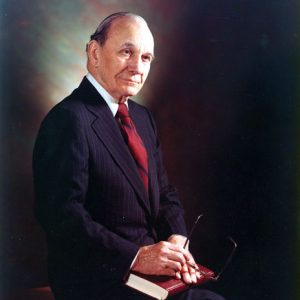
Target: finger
column 184, row 254
column 178, row 275
column 193, row 275
column 174, row 265
column 194, row 269
column 186, row 277
column 192, row 265
column 172, row 252
column 185, row 274
column 189, row 257
column 176, row 256
column 177, row 248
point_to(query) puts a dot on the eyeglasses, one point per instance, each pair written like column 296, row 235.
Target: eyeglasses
column 228, row 260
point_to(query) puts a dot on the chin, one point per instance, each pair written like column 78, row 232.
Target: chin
column 131, row 91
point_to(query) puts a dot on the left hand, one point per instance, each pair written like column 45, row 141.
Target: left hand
column 189, row 272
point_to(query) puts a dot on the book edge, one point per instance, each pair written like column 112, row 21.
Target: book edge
column 147, row 287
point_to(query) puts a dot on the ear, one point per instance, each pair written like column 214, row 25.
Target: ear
column 93, row 51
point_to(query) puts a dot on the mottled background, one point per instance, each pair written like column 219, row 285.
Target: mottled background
column 223, row 90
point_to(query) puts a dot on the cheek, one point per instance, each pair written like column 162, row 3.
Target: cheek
column 118, row 66
column 110, row 68
column 146, row 71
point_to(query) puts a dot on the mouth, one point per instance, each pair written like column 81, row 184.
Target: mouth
column 132, row 82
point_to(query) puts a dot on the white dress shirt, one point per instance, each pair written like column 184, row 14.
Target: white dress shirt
column 111, row 102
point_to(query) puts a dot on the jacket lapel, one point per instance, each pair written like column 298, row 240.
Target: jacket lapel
column 107, row 130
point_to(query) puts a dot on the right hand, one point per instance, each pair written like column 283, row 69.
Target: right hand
column 189, row 272
column 163, row 258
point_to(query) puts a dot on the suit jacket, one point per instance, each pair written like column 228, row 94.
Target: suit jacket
column 89, row 196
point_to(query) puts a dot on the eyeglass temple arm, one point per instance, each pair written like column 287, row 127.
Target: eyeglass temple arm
column 227, row 261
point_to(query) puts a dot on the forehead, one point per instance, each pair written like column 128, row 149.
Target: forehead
column 131, row 31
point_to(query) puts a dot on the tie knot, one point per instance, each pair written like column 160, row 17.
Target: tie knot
column 122, row 111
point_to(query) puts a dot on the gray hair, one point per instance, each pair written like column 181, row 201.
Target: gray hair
column 100, row 35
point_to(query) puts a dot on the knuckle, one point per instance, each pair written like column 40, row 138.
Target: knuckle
column 163, row 250
column 163, row 244
column 163, row 261
column 160, row 251
column 181, row 257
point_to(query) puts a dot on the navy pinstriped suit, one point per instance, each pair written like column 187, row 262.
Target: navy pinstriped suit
column 90, row 199
column 89, row 196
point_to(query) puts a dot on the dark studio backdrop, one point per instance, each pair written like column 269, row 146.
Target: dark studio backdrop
column 223, row 90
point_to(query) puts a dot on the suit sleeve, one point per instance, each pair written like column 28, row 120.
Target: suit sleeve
column 61, row 178
column 171, row 214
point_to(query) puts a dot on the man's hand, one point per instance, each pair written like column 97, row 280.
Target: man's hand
column 189, row 272
column 163, row 258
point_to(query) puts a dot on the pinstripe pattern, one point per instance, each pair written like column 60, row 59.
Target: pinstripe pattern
column 90, row 198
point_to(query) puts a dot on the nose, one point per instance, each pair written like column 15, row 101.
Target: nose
column 136, row 65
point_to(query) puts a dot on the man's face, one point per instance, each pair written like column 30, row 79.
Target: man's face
column 125, row 58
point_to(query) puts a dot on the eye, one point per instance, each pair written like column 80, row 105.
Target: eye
column 147, row 58
column 126, row 52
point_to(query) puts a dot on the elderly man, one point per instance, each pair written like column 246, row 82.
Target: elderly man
column 102, row 194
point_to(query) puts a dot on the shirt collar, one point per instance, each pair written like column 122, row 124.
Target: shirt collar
column 111, row 102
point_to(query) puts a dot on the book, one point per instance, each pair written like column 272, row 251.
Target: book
column 161, row 287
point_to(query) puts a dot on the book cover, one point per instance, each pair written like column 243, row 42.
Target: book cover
column 160, row 287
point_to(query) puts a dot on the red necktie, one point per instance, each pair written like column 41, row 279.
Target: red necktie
column 134, row 142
